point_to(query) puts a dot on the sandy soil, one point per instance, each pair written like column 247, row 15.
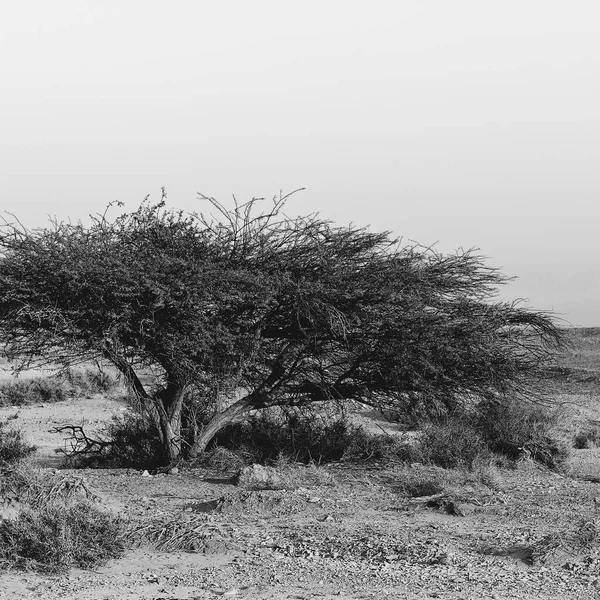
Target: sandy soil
column 356, row 538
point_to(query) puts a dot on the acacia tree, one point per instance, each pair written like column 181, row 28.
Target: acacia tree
column 247, row 311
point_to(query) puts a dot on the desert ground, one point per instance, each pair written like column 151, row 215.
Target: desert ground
column 346, row 530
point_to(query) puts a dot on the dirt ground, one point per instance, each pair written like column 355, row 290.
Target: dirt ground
column 352, row 536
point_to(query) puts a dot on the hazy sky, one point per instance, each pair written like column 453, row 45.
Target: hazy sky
column 467, row 123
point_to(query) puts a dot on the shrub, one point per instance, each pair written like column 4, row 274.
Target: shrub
column 56, row 526
column 130, row 440
column 37, row 390
column 13, row 446
column 37, row 487
column 56, row 388
column 56, row 537
column 420, row 484
column 511, row 426
column 303, row 436
column 588, row 438
column 452, row 443
column 91, row 380
column 134, row 442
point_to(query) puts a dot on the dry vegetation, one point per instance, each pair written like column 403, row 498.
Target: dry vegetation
column 497, row 504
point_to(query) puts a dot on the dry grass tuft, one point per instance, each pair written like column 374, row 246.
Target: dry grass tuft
column 185, row 533
column 38, row 488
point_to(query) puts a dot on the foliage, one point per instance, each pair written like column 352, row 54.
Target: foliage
column 305, row 436
column 55, row 537
column 290, row 311
column 13, row 446
column 38, row 390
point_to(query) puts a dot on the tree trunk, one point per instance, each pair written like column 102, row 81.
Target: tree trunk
column 169, row 404
column 220, row 420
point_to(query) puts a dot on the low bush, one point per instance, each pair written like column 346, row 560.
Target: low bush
column 55, row 524
column 135, row 443
column 305, row 437
column 451, row 443
column 13, row 446
column 91, row 380
column 511, row 427
column 130, row 440
column 587, row 438
column 416, row 484
column 38, row 390
column 56, row 537
column 56, row 388
column 37, row 488
column 466, row 439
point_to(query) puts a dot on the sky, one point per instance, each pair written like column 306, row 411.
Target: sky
column 456, row 124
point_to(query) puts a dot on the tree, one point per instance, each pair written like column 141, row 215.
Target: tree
column 248, row 311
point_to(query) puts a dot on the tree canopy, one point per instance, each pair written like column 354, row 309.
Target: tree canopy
column 248, row 310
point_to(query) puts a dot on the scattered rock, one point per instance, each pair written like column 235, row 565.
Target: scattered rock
column 258, row 477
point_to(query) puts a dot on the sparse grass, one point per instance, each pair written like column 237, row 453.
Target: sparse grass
column 56, row 388
column 510, row 427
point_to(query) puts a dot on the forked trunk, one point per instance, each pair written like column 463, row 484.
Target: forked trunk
column 219, row 421
column 169, row 405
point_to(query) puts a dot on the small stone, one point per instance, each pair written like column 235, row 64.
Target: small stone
column 146, row 474
column 258, row 477
column 173, row 471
